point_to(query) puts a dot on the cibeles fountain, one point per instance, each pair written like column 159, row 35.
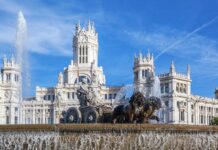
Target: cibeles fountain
column 125, row 124
column 107, row 136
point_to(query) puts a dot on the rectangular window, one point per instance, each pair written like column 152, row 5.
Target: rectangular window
column 192, row 118
column 86, row 50
column 68, row 95
column 147, row 73
column 53, row 97
column 8, row 76
column 143, row 73
column 49, row 97
column 162, row 88
column 136, row 75
column 184, row 88
column 115, row 96
column 192, row 106
column 7, row 109
column 182, row 115
column 105, row 96
column 201, row 119
column 177, row 87
column 16, row 120
column 166, row 88
column 181, row 88
column 83, row 50
column 72, row 95
column 7, row 119
column 110, row 96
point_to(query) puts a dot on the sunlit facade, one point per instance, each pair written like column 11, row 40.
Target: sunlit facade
column 48, row 105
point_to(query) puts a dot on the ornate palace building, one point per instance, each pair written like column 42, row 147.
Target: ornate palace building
column 49, row 104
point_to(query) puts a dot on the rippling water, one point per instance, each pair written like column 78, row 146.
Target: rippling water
column 108, row 141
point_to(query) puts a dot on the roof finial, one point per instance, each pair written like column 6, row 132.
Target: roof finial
column 89, row 25
column 188, row 71
column 4, row 59
column 172, row 67
column 78, row 25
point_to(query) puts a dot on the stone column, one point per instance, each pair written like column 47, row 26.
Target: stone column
column 206, row 122
column 11, row 114
column 34, row 116
column 43, row 115
column 54, row 115
column 197, row 114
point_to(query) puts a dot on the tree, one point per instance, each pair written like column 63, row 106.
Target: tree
column 214, row 121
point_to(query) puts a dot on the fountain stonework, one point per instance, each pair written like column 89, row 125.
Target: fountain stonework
column 108, row 136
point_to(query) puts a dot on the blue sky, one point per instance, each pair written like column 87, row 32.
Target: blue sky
column 186, row 30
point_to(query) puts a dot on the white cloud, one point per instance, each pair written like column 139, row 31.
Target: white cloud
column 200, row 51
column 48, row 32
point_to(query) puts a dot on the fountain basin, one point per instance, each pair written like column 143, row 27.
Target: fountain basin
column 108, row 136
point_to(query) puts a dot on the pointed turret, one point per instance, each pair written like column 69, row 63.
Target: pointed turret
column 143, row 72
column 89, row 26
column 188, row 71
column 93, row 27
column 84, row 49
column 4, row 60
column 172, row 68
column 78, row 27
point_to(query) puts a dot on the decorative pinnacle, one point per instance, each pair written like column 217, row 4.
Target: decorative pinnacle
column 93, row 25
column 172, row 67
column 89, row 25
column 78, row 25
column 188, row 69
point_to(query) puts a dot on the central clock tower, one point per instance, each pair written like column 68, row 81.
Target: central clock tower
column 85, row 46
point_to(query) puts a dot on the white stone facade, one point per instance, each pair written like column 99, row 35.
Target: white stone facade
column 48, row 105
column 180, row 106
column 10, row 96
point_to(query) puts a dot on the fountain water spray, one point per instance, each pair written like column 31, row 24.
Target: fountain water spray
column 22, row 57
column 123, row 95
column 155, row 90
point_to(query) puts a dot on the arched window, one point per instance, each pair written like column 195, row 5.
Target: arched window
column 83, row 50
column 82, row 77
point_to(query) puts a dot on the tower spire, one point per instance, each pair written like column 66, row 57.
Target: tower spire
column 93, row 27
column 172, row 68
column 78, row 27
column 89, row 26
column 188, row 71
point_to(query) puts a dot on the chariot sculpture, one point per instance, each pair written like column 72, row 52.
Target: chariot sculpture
column 92, row 108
